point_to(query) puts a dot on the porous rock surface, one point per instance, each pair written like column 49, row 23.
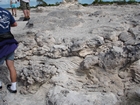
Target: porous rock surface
column 74, row 55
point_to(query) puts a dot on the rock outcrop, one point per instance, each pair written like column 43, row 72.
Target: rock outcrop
column 85, row 56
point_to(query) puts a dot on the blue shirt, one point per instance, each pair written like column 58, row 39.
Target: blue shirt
column 6, row 20
column 7, row 46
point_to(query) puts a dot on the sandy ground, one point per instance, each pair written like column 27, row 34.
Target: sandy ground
column 116, row 14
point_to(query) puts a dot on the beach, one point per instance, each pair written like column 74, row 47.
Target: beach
column 76, row 55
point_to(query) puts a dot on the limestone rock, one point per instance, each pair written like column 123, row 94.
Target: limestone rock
column 70, row 54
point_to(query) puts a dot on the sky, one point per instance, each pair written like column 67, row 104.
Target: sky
column 33, row 2
column 48, row 1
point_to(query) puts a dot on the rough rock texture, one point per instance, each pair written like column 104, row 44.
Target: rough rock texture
column 74, row 55
column 70, row 1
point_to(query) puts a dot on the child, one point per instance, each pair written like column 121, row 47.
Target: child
column 13, row 4
column 25, row 6
column 7, row 46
